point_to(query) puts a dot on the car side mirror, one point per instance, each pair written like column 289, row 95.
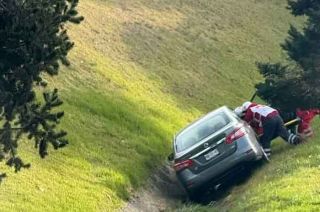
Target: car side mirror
column 170, row 157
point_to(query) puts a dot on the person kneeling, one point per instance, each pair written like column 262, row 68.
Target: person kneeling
column 262, row 116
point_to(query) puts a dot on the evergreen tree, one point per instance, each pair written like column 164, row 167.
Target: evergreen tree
column 33, row 44
column 296, row 83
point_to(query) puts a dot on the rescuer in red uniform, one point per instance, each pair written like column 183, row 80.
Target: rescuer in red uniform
column 266, row 119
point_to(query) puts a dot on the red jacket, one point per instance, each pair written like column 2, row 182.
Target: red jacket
column 256, row 114
column 306, row 117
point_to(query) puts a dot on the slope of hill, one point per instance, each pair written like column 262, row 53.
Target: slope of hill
column 142, row 69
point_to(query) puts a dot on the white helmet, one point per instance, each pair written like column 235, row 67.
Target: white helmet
column 239, row 112
column 246, row 105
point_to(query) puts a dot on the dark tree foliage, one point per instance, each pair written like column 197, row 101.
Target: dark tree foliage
column 33, row 43
column 296, row 85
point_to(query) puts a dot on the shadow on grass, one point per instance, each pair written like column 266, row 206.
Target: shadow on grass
column 189, row 58
column 193, row 47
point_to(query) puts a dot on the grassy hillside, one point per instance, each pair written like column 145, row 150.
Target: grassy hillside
column 142, row 69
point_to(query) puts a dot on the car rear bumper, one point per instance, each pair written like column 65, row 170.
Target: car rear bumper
column 246, row 151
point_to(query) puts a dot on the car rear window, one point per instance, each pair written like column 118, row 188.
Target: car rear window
column 201, row 130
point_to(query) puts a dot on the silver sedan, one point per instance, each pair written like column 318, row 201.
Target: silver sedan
column 207, row 150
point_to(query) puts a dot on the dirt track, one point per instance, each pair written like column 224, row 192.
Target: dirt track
column 161, row 193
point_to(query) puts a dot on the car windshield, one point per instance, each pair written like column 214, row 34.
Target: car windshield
column 201, row 130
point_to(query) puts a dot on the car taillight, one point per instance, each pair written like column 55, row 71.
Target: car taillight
column 235, row 134
column 182, row 165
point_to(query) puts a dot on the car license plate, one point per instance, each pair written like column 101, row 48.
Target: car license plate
column 211, row 154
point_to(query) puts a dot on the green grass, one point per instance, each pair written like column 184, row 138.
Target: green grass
column 140, row 71
column 289, row 183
